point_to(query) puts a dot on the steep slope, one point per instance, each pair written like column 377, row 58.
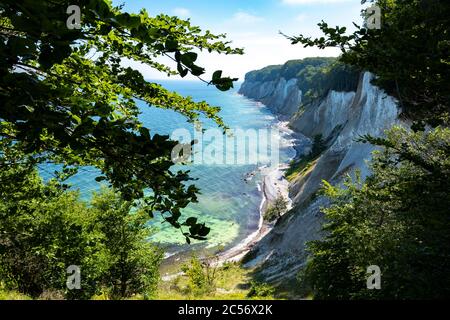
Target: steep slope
column 340, row 117
column 284, row 87
column 283, row 96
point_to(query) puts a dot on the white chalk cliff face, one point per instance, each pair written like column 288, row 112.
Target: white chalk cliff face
column 340, row 117
column 281, row 96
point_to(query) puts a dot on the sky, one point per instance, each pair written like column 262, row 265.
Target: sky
column 253, row 25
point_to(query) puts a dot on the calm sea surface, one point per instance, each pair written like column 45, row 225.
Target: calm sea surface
column 228, row 203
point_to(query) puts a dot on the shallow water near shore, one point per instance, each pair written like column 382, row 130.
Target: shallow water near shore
column 231, row 196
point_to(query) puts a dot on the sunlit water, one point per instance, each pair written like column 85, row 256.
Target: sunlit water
column 228, row 204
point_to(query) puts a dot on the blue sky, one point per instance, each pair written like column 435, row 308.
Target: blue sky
column 254, row 26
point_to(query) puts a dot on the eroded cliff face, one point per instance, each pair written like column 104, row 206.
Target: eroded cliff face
column 340, row 117
column 282, row 96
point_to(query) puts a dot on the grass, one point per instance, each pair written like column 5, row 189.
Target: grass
column 12, row 295
column 232, row 283
column 300, row 167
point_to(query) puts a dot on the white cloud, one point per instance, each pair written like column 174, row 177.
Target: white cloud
column 260, row 50
column 259, row 37
column 244, row 17
column 300, row 2
column 301, row 17
column 182, row 12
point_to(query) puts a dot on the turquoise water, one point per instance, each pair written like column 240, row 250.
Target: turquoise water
column 227, row 203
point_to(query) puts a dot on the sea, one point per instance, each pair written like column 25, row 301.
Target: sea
column 231, row 195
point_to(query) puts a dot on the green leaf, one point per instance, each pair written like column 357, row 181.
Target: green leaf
column 182, row 71
column 171, row 45
column 191, row 221
column 188, row 58
column 197, row 71
column 217, row 75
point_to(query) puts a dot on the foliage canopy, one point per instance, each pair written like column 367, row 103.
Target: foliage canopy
column 397, row 220
column 67, row 95
column 44, row 229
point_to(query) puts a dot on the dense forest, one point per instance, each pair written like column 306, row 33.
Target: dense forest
column 315, row 76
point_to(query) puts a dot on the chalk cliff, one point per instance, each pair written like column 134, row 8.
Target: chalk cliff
column 282, row 96
column 340, row 117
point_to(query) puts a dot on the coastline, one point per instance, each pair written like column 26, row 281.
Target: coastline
column 272, row 185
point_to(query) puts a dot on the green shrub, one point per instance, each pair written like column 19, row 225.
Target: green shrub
column 277, row 209
column 258, row 289
column 301, row 165
column 44, row 229
column 201, row 275
column 397, row 219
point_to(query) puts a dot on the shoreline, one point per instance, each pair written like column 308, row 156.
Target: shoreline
column 273, row 183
